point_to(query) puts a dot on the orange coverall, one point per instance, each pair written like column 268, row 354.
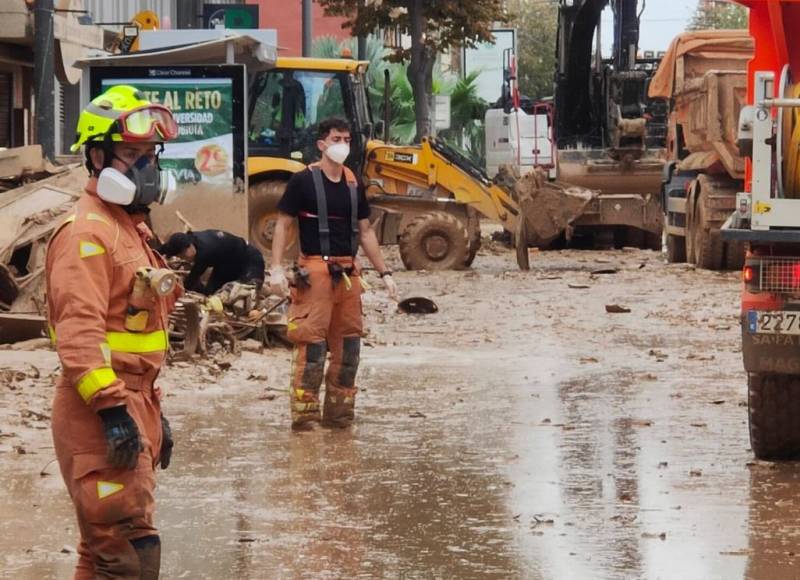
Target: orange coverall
column 323, row 318
column 91, row 264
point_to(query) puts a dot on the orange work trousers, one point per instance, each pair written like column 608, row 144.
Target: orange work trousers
column 114, row 507
column 325, row 318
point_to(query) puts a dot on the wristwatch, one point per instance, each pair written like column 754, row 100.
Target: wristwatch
column 385, row 273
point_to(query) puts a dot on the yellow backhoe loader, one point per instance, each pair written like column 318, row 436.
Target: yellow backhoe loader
column 428, row 198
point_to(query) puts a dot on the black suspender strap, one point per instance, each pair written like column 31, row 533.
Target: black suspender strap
column 353, row 218
column 322, row 213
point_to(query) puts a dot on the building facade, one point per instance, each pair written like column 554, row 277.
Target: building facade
column 16, row 73
column 102, row 21
column 286, row 17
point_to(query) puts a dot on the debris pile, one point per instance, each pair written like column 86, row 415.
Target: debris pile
column 28, row 215
column 22, row 165
column 204, row 325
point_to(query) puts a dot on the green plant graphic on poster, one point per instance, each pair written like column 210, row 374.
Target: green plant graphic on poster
column 203, row 108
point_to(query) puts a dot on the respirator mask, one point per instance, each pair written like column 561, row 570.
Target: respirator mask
column 338, row 152
column 142, row 184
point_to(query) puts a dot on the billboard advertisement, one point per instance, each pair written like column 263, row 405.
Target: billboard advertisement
column 208, row 157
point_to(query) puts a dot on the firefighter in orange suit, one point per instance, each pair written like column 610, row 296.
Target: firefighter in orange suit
column 108, row 298
column 325, row 315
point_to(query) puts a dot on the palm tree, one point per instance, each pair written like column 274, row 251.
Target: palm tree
column 467, row 113
column 467, row 108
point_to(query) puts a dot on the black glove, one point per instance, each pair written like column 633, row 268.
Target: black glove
column 122, row 436
column 166, row 443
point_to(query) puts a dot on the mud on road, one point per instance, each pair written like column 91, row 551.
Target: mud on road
column 521, row 432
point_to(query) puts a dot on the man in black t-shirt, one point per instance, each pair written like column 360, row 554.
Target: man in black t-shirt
column 230, row 257
column 325, row 315
column 299, row 201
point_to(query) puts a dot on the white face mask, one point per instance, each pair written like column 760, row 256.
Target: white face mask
column 338, row 152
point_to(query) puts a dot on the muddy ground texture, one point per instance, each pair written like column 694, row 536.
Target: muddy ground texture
column 523, row 431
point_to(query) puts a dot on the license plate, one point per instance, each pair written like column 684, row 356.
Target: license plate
column 773, row 322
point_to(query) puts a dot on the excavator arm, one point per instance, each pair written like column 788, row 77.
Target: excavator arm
column 435, row 171
column 593, row 96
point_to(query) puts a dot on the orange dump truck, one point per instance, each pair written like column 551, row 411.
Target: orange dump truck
column 704, row 79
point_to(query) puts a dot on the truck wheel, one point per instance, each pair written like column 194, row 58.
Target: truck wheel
column 691, row 255
column 707, row 246
column 774, row 410
column 676, row 249
column 435, row 240
column 691, row 208
column 263, row 212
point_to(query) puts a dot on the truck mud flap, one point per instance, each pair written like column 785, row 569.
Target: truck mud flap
column 770, row 353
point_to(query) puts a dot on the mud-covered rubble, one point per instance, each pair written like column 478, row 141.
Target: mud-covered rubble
column 238, row 316
column 29, row 213
column 21, row 165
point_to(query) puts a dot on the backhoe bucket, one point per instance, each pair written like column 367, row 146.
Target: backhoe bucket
column 548, row 208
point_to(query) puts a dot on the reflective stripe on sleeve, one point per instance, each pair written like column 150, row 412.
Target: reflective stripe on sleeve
column 94, row 381
column 139, row 343
column 130, row 342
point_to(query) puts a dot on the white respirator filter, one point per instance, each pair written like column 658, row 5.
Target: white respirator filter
column 114, row 187
column 169, row 187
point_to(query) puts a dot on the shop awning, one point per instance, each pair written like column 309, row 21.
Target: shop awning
column 232, row 48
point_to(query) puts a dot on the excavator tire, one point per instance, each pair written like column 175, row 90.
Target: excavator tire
column 474, row 231
column 774, row 415
column 676, row 249
column 435, row 240
column 263, row 212
column 708, row 246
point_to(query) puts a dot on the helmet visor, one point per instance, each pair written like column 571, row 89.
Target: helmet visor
column 145, row 123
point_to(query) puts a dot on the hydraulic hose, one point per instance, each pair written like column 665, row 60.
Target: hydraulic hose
column 791, row 150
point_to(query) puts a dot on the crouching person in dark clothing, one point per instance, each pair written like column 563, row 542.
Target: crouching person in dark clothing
column 230, row 257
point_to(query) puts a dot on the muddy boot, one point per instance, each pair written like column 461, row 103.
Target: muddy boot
column 305, row 422
column 339, row 408
column 308, row 365
column 148, row 549
column 305, row 410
